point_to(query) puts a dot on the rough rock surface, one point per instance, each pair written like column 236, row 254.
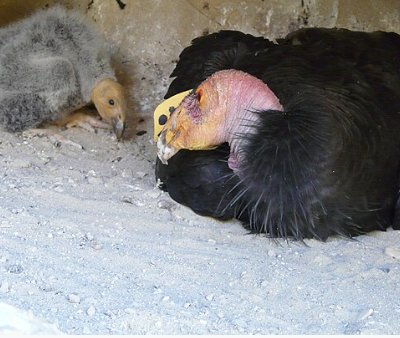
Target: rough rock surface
column 88, row 242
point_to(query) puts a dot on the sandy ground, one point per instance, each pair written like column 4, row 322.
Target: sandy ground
column 88, row 243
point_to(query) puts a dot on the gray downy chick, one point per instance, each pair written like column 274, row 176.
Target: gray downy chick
column 51, row 64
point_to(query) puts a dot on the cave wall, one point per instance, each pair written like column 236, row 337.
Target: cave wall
column 146, row 36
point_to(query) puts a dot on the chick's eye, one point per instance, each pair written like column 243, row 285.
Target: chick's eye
column 111, row 102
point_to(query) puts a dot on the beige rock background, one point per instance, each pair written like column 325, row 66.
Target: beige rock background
column 147, row 36
column 90, row 245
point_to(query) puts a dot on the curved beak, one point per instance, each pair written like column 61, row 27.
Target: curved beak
column 164, row 150
column 118, row 127
column 181, row 133
column 173, row 136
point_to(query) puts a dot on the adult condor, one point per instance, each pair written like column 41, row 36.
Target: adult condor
column 309, row 129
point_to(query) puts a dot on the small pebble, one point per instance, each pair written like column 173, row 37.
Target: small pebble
column 134, row 187
column 96, row 246
column 15, row 268
column 46, row 288
column 141, row 132
column 126, row 174
column 52, row 279
column 164, row 204
column 74, row 298
column 153, row 193
column 393, row 252
column 21, row 163
column 157, row 291
column 4, row 258
column 271, row 253
column 187, row 305
column 140, row 174
column 240, row 322
column 210, row 297
column 166, row 298
column 5, row 287
column 94, row 180
column 133, row 201
column 5, row 224
column 322, row 260
column 365, row 314
column 89, row 236
column 91, row 311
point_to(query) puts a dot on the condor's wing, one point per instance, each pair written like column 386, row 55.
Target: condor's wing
column 211, row 53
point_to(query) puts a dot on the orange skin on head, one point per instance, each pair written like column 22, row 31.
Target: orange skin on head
column 102, row 94
column 206, row 131
column 221, row 109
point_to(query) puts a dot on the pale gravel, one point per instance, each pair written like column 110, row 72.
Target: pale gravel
column 90, row 244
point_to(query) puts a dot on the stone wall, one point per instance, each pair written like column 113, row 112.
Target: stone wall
column 146, row 36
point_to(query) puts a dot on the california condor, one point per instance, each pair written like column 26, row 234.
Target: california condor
column 312, row 124
column 52, row 64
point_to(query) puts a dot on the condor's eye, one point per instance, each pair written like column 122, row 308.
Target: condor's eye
column 199, row 95
column 111, row 102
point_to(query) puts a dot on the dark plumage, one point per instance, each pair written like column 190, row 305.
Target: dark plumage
column 202, row 180
column 211, row 53
column 329, row 162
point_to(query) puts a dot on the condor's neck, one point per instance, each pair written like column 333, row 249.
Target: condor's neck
column 247, row 95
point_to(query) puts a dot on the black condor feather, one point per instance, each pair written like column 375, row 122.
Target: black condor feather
column 329, row 163
column 202, row 180
column 211, row 53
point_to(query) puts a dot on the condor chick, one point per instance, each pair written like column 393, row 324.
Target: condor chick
column 52, row 64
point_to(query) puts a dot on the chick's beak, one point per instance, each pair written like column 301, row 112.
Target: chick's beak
column 118, row 127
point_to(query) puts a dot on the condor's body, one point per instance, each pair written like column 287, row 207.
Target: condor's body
column 328, row 162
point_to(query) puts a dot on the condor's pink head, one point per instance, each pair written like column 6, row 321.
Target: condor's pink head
column 214, row 113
